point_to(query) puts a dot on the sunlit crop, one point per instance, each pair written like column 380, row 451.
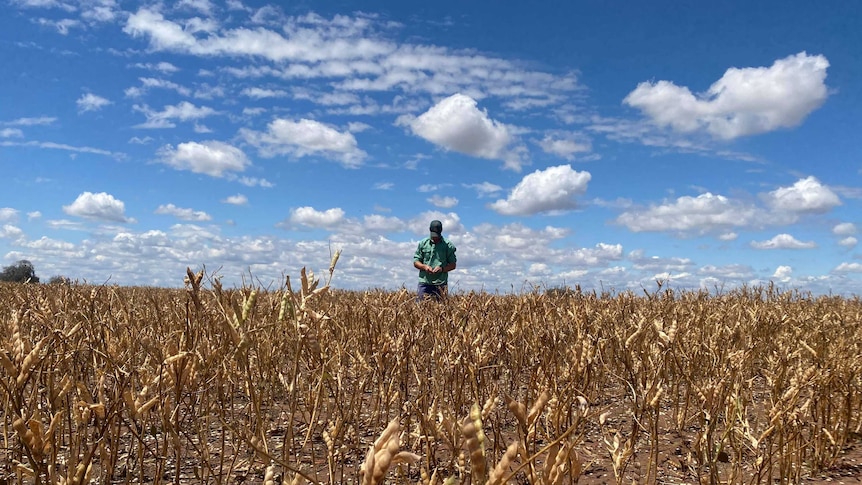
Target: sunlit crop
column 305, row 384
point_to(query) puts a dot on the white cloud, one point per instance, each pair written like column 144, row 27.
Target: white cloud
column 455, row 123
column 101, row 206
column 255, row 182
column 33, row 215
column 184, row 111
column 8, row 231
column 237, row 199
column 451, row 222
column 727, row 272
column 308, row 216
column 91, row 102
column 11, row 133
column 598, row 256
column 783, row 241
column 848, row 242
column 550, row 190
column 743, row 102
column 36, row 121
column 728, row 236
column 443, row 202
column 425, row 188
column 62, row 26
column 8, row 214
column 203, row 6
column 213, row 158
column 704, row 213
column 519, row 238
column 165, row 67
column 148, row 83
column 261, row 93
column 358, row 127
column 253, row 111
column 383, row 186
column 61, row 146
column 485, row 189
column 566, row 145
column 305, row 138
column 377, row 223
column 656, row 263
column 848, row 268
column 353, row 54
column 182, row 213
column 844, row 229
column 807, row 195
column 783, row 273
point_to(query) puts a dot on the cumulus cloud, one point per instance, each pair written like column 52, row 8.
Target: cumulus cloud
column 807, row 195
column 91, row 102
column 376, row 223
column 8, row 231
column 848, row 268
column 456, row 123
column 848, row 242
column 451, row 222
column 305, row 138
column 704, row 213
column 743, row 102
column 101, row 206
column 518, row 237
column 783, row 241
column 844, row 229
column 597, row 256
column 8, row 214
column 213, row 158
column 309, row 216
column 183, row 213
column 443, row 202
column 783, row 273
column 550, row 190
column 237, row 199
column 566, row 145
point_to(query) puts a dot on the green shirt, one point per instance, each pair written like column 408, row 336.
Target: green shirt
column 440, row 254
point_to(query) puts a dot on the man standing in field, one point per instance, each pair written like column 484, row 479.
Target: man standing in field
column 434, row 258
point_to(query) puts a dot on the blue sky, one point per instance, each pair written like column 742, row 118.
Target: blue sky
column 704, row 144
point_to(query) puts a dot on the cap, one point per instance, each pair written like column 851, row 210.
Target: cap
column 436, row 228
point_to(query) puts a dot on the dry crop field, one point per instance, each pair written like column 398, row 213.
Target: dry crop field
column 302, row 384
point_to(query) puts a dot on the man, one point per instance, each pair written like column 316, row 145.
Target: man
column 434, row 258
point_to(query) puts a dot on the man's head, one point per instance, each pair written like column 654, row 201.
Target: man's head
column 436, row 230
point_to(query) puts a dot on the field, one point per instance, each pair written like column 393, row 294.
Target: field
column 303, row 384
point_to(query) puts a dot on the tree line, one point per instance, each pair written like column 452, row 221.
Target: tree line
column 24, row 272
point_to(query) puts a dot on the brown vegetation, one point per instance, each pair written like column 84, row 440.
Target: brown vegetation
column 143, row 385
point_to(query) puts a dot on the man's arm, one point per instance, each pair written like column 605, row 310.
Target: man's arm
column 421, row 266
column 449, row 267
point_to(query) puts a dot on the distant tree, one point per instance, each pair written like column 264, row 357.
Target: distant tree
column 20, row 272
column 59, row 280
